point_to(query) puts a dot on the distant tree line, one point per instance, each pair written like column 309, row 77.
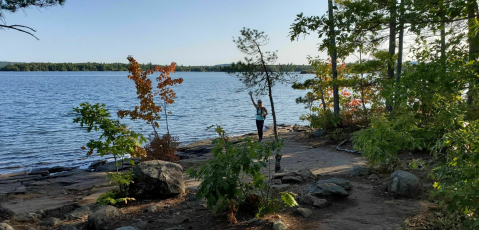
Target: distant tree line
column 93, row 66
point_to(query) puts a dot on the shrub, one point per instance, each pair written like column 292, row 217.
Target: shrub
column 457, row 182
column 325, row 120
column 234, row 176
column 337, row 135
column 162, row 148
column 123, row 179
column 382, row 140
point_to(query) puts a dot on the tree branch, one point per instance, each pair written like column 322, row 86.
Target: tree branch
column 15, row 27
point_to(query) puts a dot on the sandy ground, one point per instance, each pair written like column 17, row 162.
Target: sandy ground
column 367, row 207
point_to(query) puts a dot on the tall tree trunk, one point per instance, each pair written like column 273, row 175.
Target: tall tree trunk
column 392, row 48
column 278, row 156
column 473, row 41
column 401, row 41
column 322, row 97
column 334, row 57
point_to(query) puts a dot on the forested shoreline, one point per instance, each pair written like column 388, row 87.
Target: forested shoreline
column 93, row 66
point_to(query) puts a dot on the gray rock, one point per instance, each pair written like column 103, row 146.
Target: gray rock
column 359, row 171
column 98, row 163
column 276, row 181
column 291, row 179
column 280, row 175
column 153, row 208
column 307, row 199
column 100, row 218
column 306, row 175
column 25, row 217
column 175, row 220
column 5, row 226
column 41, row 213
column 279, row 225
column 403, row 183
column 52, row 221
column 67, row 227
column 326, row 189
column 5, row 213
column 341, row 182
column 280, row 187
column 319, row 133
column 40, row 171
column 158, row 179
column 78, row 213
column 320, row 203
column 251, row 221
column 127, row 228
column 373, row 177
column 304, row 212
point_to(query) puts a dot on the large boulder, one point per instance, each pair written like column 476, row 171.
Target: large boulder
column 326, row 189
column 402, row 183
column 5, row 213
column 100, row 218
column 158, row 179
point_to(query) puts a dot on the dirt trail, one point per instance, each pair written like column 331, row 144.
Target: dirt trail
column 367, row 207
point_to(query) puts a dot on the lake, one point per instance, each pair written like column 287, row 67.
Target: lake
column 36, row 128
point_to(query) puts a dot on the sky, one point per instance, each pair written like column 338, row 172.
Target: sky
column 186, row 32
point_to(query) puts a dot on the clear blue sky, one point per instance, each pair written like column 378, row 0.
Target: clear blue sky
column 186, row 32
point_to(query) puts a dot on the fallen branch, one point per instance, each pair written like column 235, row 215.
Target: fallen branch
column 346, row 150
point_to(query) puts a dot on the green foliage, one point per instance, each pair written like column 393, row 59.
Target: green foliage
column 288, row 199
column 123, row 179
column 94, row 66
column 457, row 175
column 337, row 135
column 383, row 139
column 234, row 174
column 116, row 138
column 325, row 120
column 417, row 164
column 110, row 198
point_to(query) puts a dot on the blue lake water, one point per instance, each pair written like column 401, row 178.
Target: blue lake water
column 36, row 128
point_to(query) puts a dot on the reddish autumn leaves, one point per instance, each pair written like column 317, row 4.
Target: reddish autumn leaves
column 148, row 110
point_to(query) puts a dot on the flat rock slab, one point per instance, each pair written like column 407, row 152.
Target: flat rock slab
column 341, row 182
column 40, row 171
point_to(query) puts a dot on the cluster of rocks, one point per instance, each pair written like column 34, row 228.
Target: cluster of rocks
column 399, row 183
column 153, row 179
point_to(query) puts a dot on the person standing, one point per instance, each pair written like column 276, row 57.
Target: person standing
column 261, row 113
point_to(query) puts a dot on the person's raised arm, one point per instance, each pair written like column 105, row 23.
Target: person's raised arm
column 251, row 96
